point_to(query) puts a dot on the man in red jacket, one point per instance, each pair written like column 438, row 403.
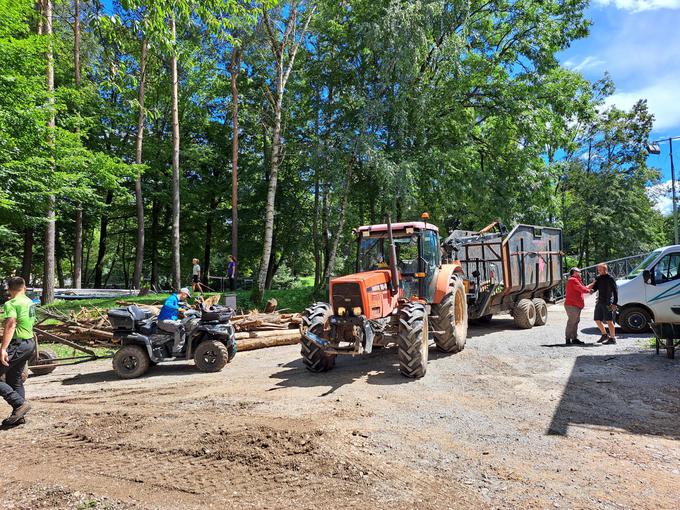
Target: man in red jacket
column 573, row 304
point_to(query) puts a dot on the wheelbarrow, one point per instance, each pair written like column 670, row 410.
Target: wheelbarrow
column 667, row 335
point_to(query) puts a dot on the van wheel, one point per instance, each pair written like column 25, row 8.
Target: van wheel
column 634, row 319
column 131, row 361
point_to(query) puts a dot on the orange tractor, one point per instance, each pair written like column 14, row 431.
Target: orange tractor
column 400, row 294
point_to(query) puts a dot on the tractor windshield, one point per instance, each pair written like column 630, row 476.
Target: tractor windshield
column 374, row 252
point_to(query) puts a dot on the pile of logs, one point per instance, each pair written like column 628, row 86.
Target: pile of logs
column 91, row 326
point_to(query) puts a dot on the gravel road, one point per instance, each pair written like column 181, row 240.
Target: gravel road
column 516, row 420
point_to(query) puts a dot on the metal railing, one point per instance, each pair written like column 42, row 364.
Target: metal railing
column 618, row 268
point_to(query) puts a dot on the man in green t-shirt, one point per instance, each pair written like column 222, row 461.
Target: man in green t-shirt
column 16, row 349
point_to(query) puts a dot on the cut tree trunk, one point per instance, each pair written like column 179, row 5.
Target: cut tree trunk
column 263, row 343
column 176, row 269
column 50, row 228
column 139, row 144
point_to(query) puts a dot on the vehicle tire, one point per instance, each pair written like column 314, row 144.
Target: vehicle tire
column 131, row 361
column 452, row 319
column 412, row 340
column 211, row 356
column 524, row 314
column 315, row 319
column 484, row 319
column 232, row 349
column 43, row 355
column 634, row 319
column 541, row 311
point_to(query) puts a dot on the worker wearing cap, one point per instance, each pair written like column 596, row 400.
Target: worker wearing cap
column 573, row 304
column 168, row 319
column 16, row 349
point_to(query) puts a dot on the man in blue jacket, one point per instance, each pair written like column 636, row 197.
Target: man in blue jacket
column 168, row 319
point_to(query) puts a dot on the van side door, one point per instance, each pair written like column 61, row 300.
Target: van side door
column 663, row 295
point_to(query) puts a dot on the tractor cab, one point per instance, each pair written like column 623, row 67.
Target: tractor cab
column 417, row 252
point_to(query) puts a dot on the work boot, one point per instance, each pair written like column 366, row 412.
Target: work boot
column 611, row 340
column 6, row 423
column 18, row 413
column 576, row 341
column 603, row 338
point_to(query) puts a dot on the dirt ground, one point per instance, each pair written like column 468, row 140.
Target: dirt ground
column 516, row 420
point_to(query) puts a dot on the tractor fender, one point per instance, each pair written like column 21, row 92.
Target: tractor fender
column 446, row 273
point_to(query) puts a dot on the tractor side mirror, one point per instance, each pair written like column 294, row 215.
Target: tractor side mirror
column 647, row 276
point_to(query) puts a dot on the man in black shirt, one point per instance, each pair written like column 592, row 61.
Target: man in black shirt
column 607, row 300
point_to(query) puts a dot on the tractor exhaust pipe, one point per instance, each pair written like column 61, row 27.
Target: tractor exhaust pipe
column 393, row 259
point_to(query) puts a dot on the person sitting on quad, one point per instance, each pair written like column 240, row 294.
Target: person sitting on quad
column 168, row 319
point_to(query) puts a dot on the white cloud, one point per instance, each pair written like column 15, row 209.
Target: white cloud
column 660, row 194
column 589, row 62
column 640, row 5
column 662, row 100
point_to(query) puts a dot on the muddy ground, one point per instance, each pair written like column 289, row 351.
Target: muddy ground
column 516, row 420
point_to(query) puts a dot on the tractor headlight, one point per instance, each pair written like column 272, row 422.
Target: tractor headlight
column 356, row 311
column 342, row 311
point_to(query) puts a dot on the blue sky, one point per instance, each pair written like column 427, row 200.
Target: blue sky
column 638, row 43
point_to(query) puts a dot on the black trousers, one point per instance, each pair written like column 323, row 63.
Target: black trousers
column 232, row 283
column 12, row 389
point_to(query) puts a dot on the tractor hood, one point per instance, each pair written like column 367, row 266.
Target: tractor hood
column 369, row 278
column 367, row 291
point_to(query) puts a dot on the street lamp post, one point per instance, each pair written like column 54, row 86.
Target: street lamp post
column 653, row 148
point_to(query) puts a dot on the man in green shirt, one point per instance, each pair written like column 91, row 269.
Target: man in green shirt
column 16, row 349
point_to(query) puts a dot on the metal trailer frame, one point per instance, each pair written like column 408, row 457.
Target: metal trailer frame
column 506, row 267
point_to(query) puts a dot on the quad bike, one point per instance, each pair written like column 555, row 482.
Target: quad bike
column 210, row 340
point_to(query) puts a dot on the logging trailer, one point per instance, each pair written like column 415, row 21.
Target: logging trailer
column 409, row 286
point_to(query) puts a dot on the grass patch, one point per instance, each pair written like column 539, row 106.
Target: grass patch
column 64, row 351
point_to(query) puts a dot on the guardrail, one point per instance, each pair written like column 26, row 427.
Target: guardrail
column 618, row 268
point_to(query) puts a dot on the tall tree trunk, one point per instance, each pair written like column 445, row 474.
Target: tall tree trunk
column 208, row 240
column 139, row 199
column 235, row 67
column 76, row 42
column 27, row 259
column 103, row 233
column 50, row 229
column 86, row 273
column 325, row 226
column 341, row 222
column 155, row 212
column 315, row 233
column 59, row 258
column 78, row 249
column 272, row 267
column 176, row 270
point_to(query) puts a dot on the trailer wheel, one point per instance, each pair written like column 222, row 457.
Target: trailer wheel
column 452, row 319
column 524, row 314
column 541, row 311
column 211, row 356
column 315, row 319
column 412, row 340
column 44, row 355
column 634, row 319
column 131, row 361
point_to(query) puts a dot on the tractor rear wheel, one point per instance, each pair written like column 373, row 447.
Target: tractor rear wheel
column 524, row 314
column 452, row 319
column 412, row 340
column 541, row 311
column 315, row 319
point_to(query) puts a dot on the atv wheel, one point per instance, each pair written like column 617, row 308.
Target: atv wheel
column 131, row 361
column 634, row 319
column 44, row 355
column 524, row 314
column 314, row 319
column 541, row 311
column 231, row 349
column 452, row 319
column 211, row 356
column 412, row 340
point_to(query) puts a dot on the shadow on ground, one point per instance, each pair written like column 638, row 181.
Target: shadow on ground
column 638, row 392
column 179, row 368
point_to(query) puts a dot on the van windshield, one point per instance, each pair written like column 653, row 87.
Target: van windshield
column 643, row 265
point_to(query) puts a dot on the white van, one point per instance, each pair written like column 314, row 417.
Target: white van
column 651, row 291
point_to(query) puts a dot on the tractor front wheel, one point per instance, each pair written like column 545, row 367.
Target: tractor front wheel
column 412, row 340
column 315, row 319
column 451, row 323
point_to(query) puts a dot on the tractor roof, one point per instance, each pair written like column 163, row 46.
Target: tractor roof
column 399, row 226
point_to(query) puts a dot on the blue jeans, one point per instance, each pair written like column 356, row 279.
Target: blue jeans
column 12, row 388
